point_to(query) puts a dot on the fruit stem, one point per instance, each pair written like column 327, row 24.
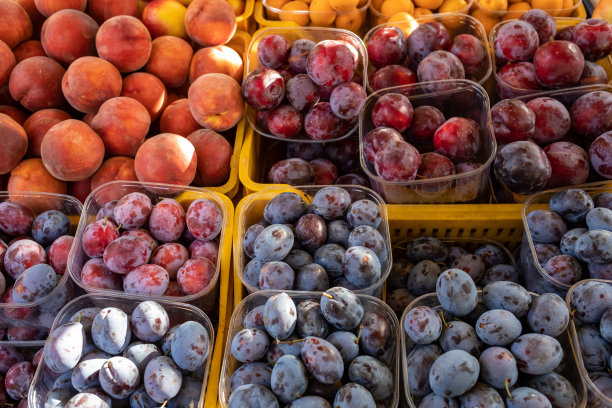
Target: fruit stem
column 105, row 218
column 359, row 335
column 119, row 227
column 443, row 319
column 327, row 295
column 80, row 315
column 508, row 388
column 164, row 404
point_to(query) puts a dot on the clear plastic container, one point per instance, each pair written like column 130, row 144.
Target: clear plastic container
column 205, row 299
column 595, row 398
column 40, row 314
column 250, row 210
column 177, row 312
column 462, row 98
column 569, row 371
column 505, row 90
column 379, row 18
column 315, row 34
column 370, row 304
column 536, row 278
column 563, row 12
column 456, row 24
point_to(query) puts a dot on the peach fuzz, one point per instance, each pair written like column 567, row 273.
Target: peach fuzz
column 15, row 24
column 48, row 7
column 27, row 49
column 210, row 22
column 14, row 143
column 89, row 82
column 122, row 123
column 35, row 17
column 80, row 189
column 169, row 60
column 115, row 168
column 214, row 157
column 102, row 10
column 37, row 83
column 31, row 175
column 18, row 115
column 72, row 151
column 68, row 35
column 165, row 17
column 218, row 59
column 7, row 63
column 148, row 90
column 216, row 101
column 166, row 158
column 37, row 125
column 177, row 118
column 125, row 42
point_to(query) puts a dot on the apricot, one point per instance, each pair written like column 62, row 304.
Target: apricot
column 125, row 42
column 27, row 49
column 102, row 10
column 68, row 35
column 72, row 151
column 14, row 143
column 165, row 17
column 169, row 60
column 210, row 22
column 48, row 7
column 177, row 119
column 37, row 125
column 18, row 115
column 80, row 189
column 36, row 83
column 216, row 101
column 122, row 123
column 31, row 175
column 218, row 59
column 89, row 82
column 15, row 24
column 115, row 168
column 148, row 90
column 214, row 157
column 166, row 158
column 7, row 63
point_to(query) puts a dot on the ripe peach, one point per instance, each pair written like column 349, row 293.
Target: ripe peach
column 48, row 7
column 102, row 10
column 148, row 90
column 31, row 175
column 37, row 125
column 177, row 119
column 169, row 60
column 89, row 82
column 36, row 83
column 17, row 114
column 72, row 151
column 165, row 17
column 14, row 143
column 219, row 59
column 210, row 22
column 80, row 189
column 7, row 63
column 166, row 158
column 27, row 49
column 125, row 42
column 122, row 123
column 115, row 168
column 216, row 101
column 15, row 24
column 36, row 18
column 68, row 35
column 214, row 156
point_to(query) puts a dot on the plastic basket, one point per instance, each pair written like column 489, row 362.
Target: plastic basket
column 564, row 12
column 40, row 314
column 370, row 304
column 177, row 312
column 380, row 18
column 596, row 398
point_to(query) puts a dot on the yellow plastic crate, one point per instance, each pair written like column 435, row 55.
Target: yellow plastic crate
column 244, row 21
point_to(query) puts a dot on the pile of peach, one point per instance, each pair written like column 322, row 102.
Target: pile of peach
column 116, row 93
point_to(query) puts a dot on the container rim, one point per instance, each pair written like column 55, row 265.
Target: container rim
column 308, row 12
column 498, row 13
column 463, row 10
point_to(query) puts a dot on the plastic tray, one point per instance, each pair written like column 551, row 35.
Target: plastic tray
column 564, row 12
column 206, row 299
column 250, row 210
column 596, row 399
column 379, row 18
column 178, row 313
column 43, row 310
column 465, row 99
column 370, row 304
column 455, row 23
column 536, row 278
column 562, row 22
column 292, row 34
column 244, row 21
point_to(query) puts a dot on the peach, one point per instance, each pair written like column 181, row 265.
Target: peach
column 80, row 189
column 210, row 22
column 27, row 49
column 216, row 101
column 214, row 156
column 122, row 123
column 31, row 175
column 88, row 118
column 166, row 158
column 148, row 90
column 36, row 18
column 169, row 60
column 14, row 143
column 18, row 115
column 72, row 151
column 68, row 35
column 7, row 63
column 165, row 17
column 125, row 42
column 15, row 24
column 115, row 168
column 48, row 7
column 36, row 83
column 102, row 10
column 177, row 119
column 89, row 82
column 218, row 59
column 37, row 125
